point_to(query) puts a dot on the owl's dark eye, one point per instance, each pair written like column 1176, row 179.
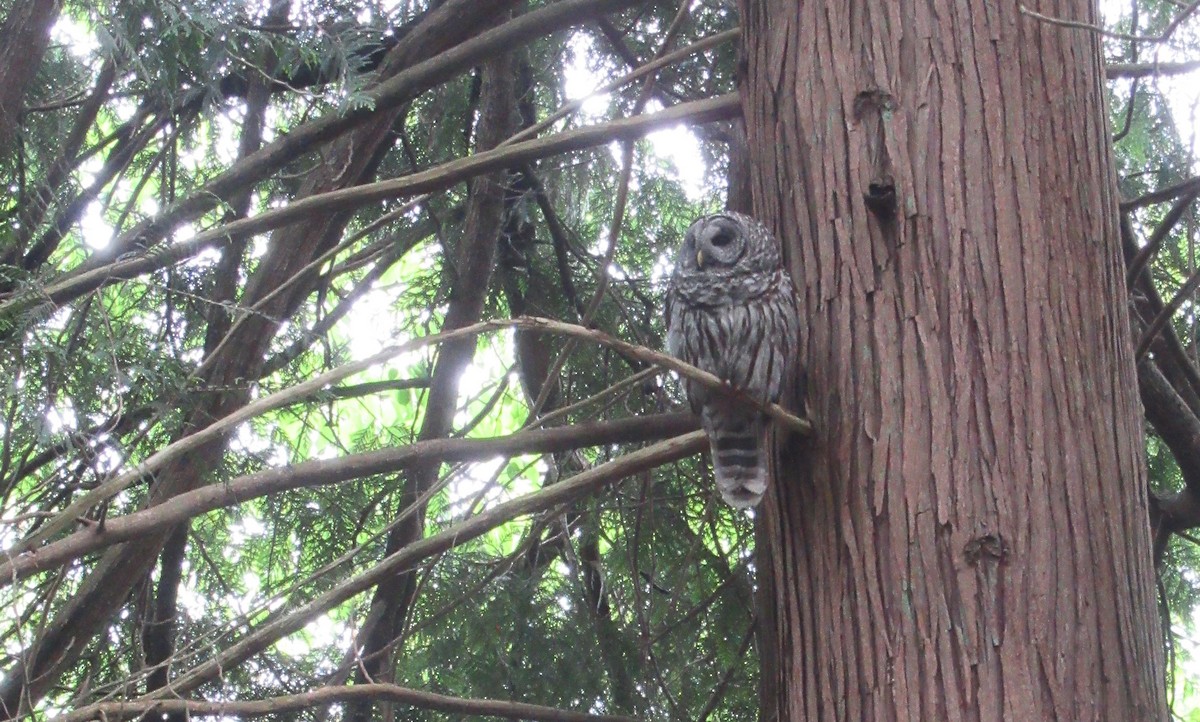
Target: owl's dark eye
column 722, row 239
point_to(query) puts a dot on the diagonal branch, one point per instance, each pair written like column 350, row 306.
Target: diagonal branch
column 1160, row 234
column 1167, row 32
column 330, row 695
column 720, row 108
column 1170, row 356
column 1164, row 317
column 387, row 95
column 1179, row 429
column 635, row 74
column 306, row 389
column 1174, row 422
column 1184, row 187
column 280, row 625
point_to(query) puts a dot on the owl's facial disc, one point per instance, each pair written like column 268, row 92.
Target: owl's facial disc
column 719, row 240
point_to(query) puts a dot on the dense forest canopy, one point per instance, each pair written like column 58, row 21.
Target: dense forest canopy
column 274, row 432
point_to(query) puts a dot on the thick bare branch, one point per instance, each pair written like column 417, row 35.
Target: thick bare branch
column 1171, row 192
column 387, row 95
column 586, row 482
column 1160, row 234
column 330, row 695
column 720, row 108
column 1174, row 422
column 1179, row 428
column 1113, row 71
column 312, row 386
column 1164, row 317
column 1169, row 354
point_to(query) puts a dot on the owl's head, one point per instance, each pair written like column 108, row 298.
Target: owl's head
column 728, row 242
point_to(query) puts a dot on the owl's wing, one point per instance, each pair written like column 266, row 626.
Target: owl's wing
column 762, row 340
column 674, row 340
column 679, row 317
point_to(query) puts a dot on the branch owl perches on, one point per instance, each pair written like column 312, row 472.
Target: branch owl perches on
column 732, row 311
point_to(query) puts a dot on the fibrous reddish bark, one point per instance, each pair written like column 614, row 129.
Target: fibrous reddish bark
column 969, row 540
column 24, row 35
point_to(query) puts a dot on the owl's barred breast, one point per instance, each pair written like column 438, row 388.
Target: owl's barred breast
column 732, row 311
column 743, row 332
column 712, row 290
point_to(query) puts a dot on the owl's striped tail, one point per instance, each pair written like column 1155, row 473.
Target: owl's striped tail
column 739, row 454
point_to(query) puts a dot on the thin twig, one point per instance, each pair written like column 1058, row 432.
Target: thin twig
column 1091, row 27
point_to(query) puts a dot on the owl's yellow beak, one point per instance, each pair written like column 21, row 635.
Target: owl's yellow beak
column 700, row 259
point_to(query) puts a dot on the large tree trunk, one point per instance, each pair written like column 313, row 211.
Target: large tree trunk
column 969, row 540
column 24, row 35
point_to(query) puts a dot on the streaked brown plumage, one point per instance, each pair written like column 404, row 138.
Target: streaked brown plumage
column 732, row 311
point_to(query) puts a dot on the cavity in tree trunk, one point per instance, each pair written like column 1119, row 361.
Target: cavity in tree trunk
column 970, row 539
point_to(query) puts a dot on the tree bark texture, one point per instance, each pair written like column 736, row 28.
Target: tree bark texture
column 24, row 35
column 969, row 538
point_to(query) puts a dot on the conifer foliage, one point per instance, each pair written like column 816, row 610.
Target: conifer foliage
column 329, row 337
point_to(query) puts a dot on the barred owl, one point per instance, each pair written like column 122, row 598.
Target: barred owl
column 732, row 311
